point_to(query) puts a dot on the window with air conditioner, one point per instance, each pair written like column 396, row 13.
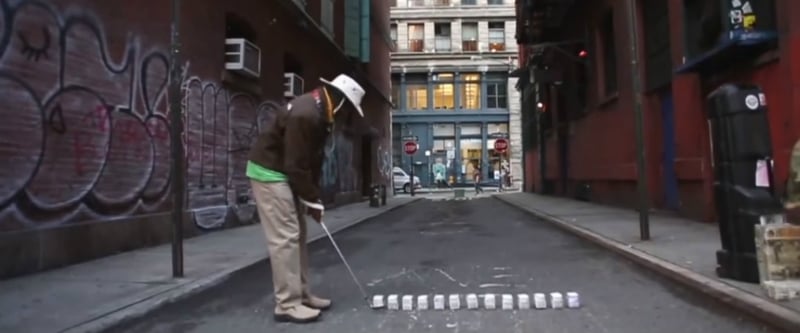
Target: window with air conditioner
column 293, row 85
column 242, row 56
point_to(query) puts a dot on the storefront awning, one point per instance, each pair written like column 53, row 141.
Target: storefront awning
column 736, row 51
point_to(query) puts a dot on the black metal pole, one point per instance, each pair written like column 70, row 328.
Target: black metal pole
column 641, row 164
column 411, row 181
column 177, row 174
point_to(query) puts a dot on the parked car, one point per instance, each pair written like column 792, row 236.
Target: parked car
column 403, row 181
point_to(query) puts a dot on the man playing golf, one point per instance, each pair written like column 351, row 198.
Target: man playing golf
column 284, row 168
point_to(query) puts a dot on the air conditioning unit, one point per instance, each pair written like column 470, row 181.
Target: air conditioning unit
column 293, row 84
column 242, row 56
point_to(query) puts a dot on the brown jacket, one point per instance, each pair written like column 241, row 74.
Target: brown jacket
column 293, row 144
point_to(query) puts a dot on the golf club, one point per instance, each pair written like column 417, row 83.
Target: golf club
column 353, row 275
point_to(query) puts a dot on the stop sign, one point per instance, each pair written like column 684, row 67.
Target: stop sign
column 410, row 147
column 500, row 145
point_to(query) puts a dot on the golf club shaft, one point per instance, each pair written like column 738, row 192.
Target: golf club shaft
column 355, row 279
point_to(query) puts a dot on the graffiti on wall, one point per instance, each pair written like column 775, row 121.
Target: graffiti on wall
column 339, row 172
column 86, row 135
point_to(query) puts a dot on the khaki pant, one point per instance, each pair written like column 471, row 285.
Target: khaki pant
column 283, row 219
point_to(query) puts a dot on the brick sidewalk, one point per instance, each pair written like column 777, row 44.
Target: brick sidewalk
column 680, row 249
column 91, row 296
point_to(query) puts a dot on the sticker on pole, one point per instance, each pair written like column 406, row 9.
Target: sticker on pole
column 751, row 101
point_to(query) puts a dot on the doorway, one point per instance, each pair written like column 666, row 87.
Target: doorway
column 366, row 165
column 670, row 179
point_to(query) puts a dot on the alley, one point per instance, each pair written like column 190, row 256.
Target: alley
column 476, row 246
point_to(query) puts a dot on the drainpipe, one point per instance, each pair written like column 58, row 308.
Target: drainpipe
column 641, row 163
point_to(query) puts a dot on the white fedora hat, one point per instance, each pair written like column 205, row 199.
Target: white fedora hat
column 350, row 88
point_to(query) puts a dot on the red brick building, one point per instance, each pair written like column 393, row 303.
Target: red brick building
column 86, row 164
column 583, row 141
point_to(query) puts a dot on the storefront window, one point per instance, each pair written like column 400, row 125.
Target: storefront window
column 497, row 128
column 417, row 97
column 443, row 91
column 471, row 151
column 444, row 130
column 471, row 92
column 470, row 129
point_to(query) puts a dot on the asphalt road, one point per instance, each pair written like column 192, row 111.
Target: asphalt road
column 477, row 246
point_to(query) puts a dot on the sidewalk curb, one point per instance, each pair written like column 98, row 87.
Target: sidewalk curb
column 767, row 312
column 191, row 287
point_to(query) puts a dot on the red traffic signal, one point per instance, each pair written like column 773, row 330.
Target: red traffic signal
column 583, row 54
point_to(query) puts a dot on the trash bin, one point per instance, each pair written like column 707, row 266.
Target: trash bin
column 374, row 198
column 743, row 194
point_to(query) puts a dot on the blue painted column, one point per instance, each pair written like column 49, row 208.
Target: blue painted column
column 430, row 91
column 428, row 160
column 484, row 151
column 403, row 105
column 457, row 158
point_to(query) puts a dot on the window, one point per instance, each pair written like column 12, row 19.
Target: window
column 609, row 54
column 326, row 15
column 495, row 128
column 469, row 37
column 416, row 37
column 470, row 129
column 443, row 91
column 417, row 96
column 471, row 92
column 469, row 2
column 497, row 36
column 658, row 56
column 442, row 146
column 496, row 2
column 416, row 3
column 441, row 3
column 442, row 36
column 393, row 36
column 497, row 96
column 447, row 130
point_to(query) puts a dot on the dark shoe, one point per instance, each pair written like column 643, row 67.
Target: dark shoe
column 299, row 314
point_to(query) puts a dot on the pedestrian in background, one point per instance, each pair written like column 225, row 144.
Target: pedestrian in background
column 476, row 177
column 284, row 168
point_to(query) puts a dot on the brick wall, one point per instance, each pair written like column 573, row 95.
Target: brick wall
column 86, row 131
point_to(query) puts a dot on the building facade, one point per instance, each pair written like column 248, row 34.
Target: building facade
column 86, row 163
column 580, row 139
column 452, row 88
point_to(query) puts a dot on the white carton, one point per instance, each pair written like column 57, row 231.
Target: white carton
column 556, row 300
column 523, row 301
column 393, row 303
column 489, row 302
column 438, row 302
column 377, row 301
column 539, row 301
column 455, row 302
column 507, row 302
column 422, row 302
column 573, row 300
column 472, row 301
column 408, row 302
